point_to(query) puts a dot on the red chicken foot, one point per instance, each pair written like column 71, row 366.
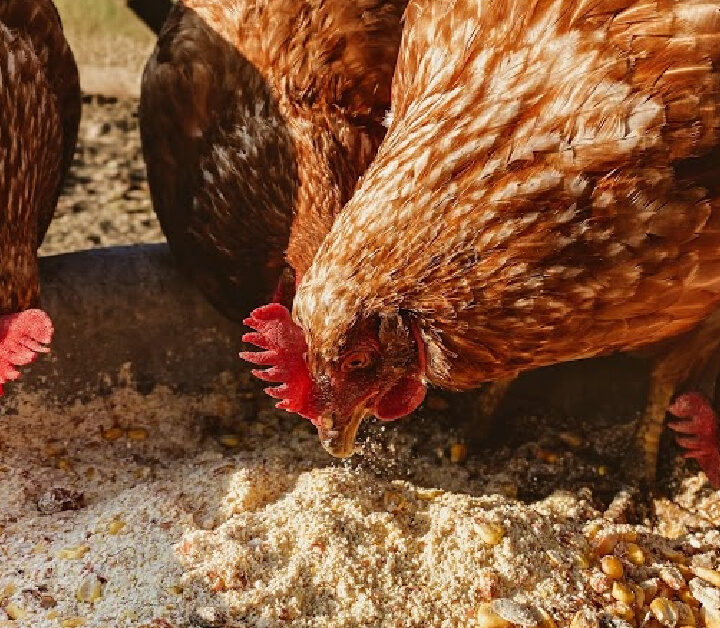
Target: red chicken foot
column 700, row 434
column 22, row 336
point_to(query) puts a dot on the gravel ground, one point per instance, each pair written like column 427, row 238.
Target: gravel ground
column 106, row 201
column 164, row 510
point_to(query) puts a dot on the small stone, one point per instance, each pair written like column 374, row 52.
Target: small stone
column 72, row 622
column 514, row 613
column 47, row 601
column 60, row 499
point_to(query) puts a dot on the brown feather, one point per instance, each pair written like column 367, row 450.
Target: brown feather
column 258, row 117
column 40, row 104
column 547, row 191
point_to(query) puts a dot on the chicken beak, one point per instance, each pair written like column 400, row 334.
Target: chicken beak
column 337, row 435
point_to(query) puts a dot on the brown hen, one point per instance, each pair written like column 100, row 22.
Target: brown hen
column 40, row 112
column 548, row 190
column 257, row 118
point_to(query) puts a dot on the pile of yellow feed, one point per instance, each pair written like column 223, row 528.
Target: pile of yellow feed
column 250, row 524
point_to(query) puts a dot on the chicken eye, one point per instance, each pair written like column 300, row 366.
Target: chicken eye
column 356, row 360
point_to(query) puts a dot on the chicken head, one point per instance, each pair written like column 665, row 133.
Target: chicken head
column 380, row 371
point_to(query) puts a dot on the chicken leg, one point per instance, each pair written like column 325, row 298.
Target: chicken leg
column 692, row 358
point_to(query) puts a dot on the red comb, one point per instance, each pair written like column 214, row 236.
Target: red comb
column 22, row 337
column 701, row 426
column 284, row 352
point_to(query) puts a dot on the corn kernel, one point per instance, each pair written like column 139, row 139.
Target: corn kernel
column 137, row 433
column 546, row 619
column 664, row 611
column 688, row 598
column 112, row 433
column 612, row 567
column 650, row 587
column 458, row 452
column 672, row 577
column 582, row 561
column 428, row 494
column 585, row 619
column 685, row 615
column 605, row 544
column 674, row 555
column 630, row 536
column 622, row 593
column 710, row 616
column 53, row 450
column 488, row 618
column 72, row 622
column 602, row 470
column 64, row 464
column 549, row 457
column 709, row 575
column 52, row 615
column 229, row 440
column 571, row 439
column 639, row 594
column 623, row 611
column 115, row 526
column 90, row 589
column 73, row 553
column 15, row 612
column 491, row 533
column 8, row 590
column 635, row 554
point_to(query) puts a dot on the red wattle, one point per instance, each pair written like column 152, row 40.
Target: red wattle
column 402, row 399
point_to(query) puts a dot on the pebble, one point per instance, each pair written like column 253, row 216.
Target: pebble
column 514, row 613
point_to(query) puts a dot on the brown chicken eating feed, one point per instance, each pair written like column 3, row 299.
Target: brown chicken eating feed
column 548, row 190
column 39, row 117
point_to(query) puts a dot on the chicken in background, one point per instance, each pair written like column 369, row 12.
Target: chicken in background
column 548, row 190
column 257, row 119
column 39, row 116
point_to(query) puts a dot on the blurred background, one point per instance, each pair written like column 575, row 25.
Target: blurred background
column 106, row 200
